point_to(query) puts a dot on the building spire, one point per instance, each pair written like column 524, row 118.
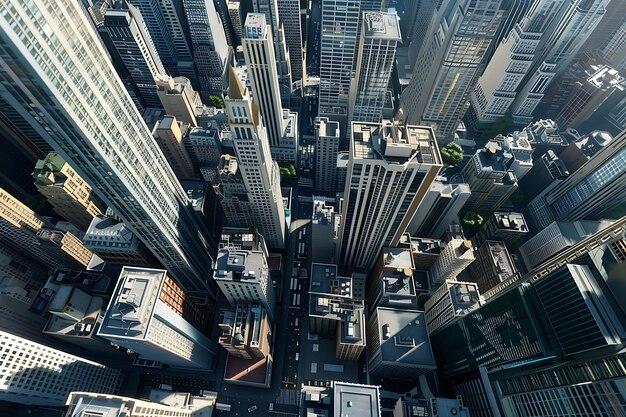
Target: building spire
column 236, row 90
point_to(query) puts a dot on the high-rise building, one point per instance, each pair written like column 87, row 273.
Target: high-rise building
column 160, row 403
column 451, row 58
column 134, row 45
column 581, row 150
column 327, row 140
column 236, row 19
column 508, row 227
column 289, row 13
column 281, row 125
column 380, row 34
column 232, row 194
column 110, row 239
column 169, row 133
column 546, row 169
column 391, row 168
column 325, row 227
column 390, row 283
column 452, row 299
column 350, row 398
column 338, row 43
column 32, row 373
column 492, row 265
column 210, row 49
column 559, row 42
column 270, row 9
column 398, row 346
column 151, row 315
column 453, row 259
column 440, row 207
column 590, row 192
column 100, row 132
column 242, row 273
column 178, row 98
column 247, row 331
column 70, row 196
column 259, row 172
column 489, row 178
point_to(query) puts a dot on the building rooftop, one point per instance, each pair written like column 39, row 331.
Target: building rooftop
column 255, row 371
column 394, row 144
column 355, row 400
column 404, row 338
column 592, row 143
column 110, row 233
column 464, row 295
column 381, row 26
column 244, row 326
column 423, row 245
column 327, row 128
column 196, row 193
column 501, row 259
column 605, row 77
column 510, row 221
column 255, row 26
column 133, row 302
column 546, row 132
column 397, row 258
column 239, row 265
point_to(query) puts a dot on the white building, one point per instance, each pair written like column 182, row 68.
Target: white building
column 456, row 255
column 390, row 170
column 160, row 403
column 150, row 315
column 34, row 374
column 96, row 128
column 380, row 34
column 261, row 175
column 452, row 299
column 327, row 140
column 281, row 125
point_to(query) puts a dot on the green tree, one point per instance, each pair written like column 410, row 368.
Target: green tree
column 452, row 154
column 217, row 101
column 472, row 220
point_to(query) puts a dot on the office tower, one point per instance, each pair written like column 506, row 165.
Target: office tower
column 610, row 31
column 492, row 265
column 572, row 25
column 269, row 8
column 380, row 34
column 333, row 310
column 178, row 98
column 440, row 207
column 110, row 239
column 454, row 258
column 151, row 315
column 355, row 398
column 259, row 172
column 590, row 192
column 236, row 18
column 325, row 226
column 27, row 367
column 327, row 139
column 160, row 402
column 232, row 194
column 210, row 49
column 489, row 177
column 581, row 150
column 70, row 196
column 281, row 125
column 205, row 147
column 504, row 226
column 519, row 151
column 169, row 133
column 544, row 135
column 390, row 283
column 425, row 251
column 134, row 45
column 247, row 331
column 338, row 42
column 289, row 13
column 390, row 170
column 557, row 237
column 587, row 94
column 450, row 60
column 111, row 147
column 452, row 299
column 546, row 169
column 242, row 274
column 397, row 344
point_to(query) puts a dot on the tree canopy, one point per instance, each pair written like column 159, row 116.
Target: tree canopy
column 452, row 154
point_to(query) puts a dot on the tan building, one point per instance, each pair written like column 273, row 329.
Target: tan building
column 179, row 98
column 71, row 197
column 169, row 135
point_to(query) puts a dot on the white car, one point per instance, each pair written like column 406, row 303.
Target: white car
column 251, row 409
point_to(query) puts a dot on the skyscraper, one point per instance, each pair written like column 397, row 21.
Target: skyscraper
column 259, row 172
column 289, row 12
column 134, row 45
column 99, row 132
column 454, row 258
column 281, row 125
column 236, row 18
column 327, row 139
column 68, row 193
column 450, row 60
column 178, row 98
column 380, row 34
column 27, row 367
column 590, row 192
column 169, row 134
column 210, row 49
column 390, row 170
column 152, row 316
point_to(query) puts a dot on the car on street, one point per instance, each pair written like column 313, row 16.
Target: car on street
column 251, row 409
